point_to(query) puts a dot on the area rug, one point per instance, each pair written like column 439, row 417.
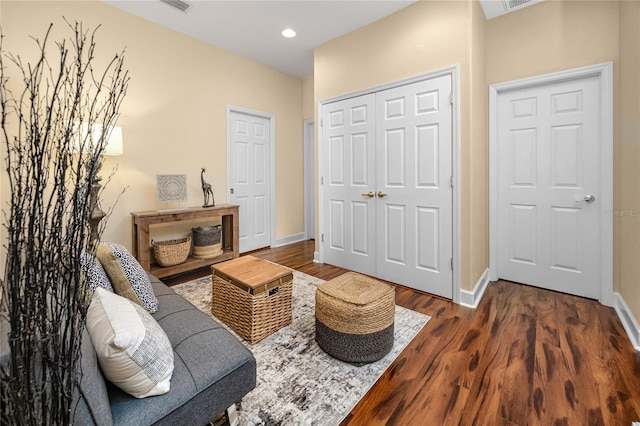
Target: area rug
column 298, row 383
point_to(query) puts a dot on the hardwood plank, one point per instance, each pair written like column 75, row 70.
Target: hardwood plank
column 485, row 394
column 547, row 318
column 416, row 376
column 436, row 387
column 515, row 403
column 484, row 325
column 550, row 388
column 581, row 393
column 617, row 408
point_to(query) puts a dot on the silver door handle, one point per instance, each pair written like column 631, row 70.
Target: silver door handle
column 587, row 199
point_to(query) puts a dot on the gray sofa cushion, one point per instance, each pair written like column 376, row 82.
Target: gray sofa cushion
column 92, row 399
column 212, row 369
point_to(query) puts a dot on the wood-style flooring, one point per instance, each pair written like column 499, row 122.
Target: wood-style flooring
column 525, row 356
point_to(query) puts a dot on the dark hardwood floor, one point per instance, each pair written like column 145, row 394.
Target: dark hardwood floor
column 525, row 356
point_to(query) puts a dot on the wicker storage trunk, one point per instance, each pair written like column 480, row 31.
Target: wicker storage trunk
column 252, row 296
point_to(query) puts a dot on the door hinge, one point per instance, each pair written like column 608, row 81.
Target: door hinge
column 452, row 263
column 451, row 98
column 451, row 181
column 322, row 238
column 321, row 180
column 322, row 122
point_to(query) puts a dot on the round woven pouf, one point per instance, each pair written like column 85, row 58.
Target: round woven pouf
column 354, row 318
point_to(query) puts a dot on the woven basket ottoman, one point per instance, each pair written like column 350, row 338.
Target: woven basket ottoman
column 252, row 296
column 354, row 318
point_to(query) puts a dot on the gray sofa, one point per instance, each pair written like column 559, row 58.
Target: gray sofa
column 212, row 370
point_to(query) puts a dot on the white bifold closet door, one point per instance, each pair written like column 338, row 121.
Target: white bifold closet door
column 387, row 173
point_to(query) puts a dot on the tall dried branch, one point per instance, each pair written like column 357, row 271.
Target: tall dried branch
column 44, row 291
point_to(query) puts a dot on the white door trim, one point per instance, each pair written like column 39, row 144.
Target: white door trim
column 604, row 73
column 272, row 161
column 309, row 184
column 454, row 71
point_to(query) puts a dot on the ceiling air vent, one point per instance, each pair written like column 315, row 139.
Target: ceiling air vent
column 510, row 5
column 495, row 8
column 183, row 5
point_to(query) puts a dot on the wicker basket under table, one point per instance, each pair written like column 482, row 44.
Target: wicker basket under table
column 252, row 296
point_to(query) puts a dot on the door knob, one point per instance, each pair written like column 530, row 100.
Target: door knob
column 381, row 194
column 369, row 194
column 587, row 199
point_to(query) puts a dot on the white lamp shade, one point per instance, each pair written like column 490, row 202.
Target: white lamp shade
column 114, row 143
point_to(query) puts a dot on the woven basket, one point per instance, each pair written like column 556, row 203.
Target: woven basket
column 252, row 316
column 171, row 252
column 206, row 235
column 207, row 252
column 355, row 304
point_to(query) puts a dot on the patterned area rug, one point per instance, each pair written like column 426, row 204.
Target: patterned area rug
column 297, row 383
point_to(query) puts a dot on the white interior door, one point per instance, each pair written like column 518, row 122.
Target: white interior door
column 387, row 168
column 349, row 172
column 249, row 177
column 414, row 208
column 548, row 186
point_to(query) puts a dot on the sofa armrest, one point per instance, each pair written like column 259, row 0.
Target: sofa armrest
column 212, row 369
column 91, row 401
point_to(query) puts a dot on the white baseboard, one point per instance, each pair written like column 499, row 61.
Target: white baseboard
column 289, row 239
column 470, row 299
column 628, row 321
column 316, row 257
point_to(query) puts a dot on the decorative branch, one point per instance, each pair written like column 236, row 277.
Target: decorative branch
column 44, row 292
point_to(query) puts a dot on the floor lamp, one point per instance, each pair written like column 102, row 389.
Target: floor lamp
column 114, row 147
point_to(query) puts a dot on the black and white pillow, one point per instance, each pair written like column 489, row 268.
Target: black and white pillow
column 134, row 352
column 96, row 275
column 127, row 275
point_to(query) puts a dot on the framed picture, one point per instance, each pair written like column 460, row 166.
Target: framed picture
column 171, row 188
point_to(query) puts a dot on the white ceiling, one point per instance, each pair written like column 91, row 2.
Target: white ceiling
column 252, row 28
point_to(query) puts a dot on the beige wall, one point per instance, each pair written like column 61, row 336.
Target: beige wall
column 174, row 114
column 551, row 36
column 627, row 161
column 308, row 106
column 407, row 43
column 424, row 37
column 478, row 159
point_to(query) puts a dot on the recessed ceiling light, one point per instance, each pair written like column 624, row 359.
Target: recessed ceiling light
column 288, row 33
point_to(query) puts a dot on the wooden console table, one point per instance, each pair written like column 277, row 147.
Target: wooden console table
column 142, row 245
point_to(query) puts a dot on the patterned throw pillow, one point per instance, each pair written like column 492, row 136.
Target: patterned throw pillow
column 96, row 275
column 134, row 352
column 127, row 276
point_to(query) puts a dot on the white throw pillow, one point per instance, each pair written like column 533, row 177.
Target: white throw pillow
column 133, row 350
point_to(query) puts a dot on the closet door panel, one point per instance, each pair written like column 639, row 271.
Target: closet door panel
column 349, row 171
column 414, row 195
